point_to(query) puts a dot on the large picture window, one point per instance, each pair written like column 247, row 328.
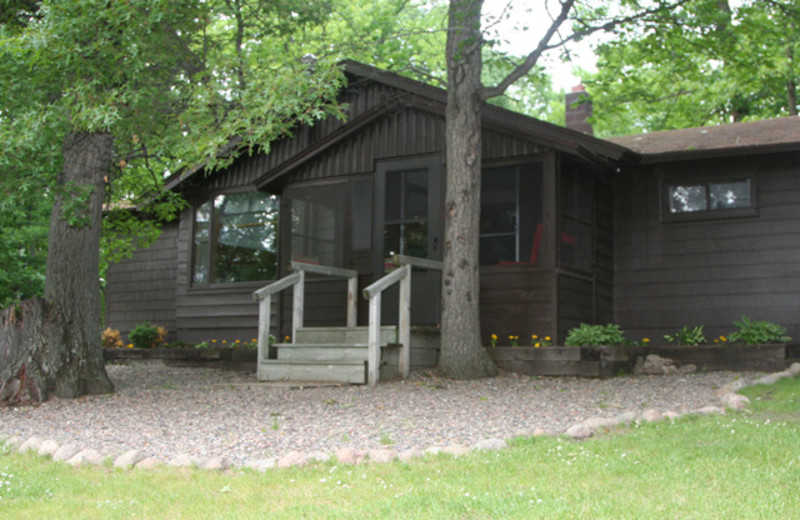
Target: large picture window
column 235, row 238
column 511, row 214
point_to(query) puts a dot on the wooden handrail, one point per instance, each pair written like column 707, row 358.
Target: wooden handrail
column 413, row 261
column 296, row 280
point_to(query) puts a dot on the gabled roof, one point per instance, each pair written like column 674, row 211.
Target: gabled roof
column 768, row 136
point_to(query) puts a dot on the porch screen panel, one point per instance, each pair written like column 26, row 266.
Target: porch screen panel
column 406, row 213
column 511, row 214
column 318, row 217
column 577, row 208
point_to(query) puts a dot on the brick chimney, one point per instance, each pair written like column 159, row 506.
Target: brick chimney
column 578, row 110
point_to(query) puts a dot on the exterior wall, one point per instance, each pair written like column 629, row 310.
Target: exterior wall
column 711, row 272
column 588, row 297
column 142, row 288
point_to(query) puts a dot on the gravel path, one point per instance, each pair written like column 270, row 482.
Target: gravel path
column 166, row 411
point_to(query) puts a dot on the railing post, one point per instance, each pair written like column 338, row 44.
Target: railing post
column 352, row 287
column 264, row 311
column 374, row 351
column 404, row 322
column 299, row 290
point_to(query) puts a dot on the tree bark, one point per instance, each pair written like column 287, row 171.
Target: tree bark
column 462, row 354
column 59, row 339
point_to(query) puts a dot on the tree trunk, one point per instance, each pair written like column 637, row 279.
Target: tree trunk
column 59, row 340
column 462, row 354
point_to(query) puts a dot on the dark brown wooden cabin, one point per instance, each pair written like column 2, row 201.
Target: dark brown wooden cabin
column 707, row 229
column 349, row 193
column 653, row 232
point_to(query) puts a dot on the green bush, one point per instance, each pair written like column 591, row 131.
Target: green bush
column 587, row 334
column 690, row 337
column 147, row 335
column 753, row 332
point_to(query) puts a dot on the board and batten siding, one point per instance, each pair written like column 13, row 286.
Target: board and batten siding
column 708, row 272
column 142, row 288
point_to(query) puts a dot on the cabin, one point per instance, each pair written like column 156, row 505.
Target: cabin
column 652, row 232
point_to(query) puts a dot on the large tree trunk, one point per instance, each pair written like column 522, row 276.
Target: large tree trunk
column 462, row 355
column 59, row 340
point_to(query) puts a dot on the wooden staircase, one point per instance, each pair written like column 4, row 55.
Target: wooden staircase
column 331, row 355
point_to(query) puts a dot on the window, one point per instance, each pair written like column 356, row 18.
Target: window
column 577, row 207
column 511, row 214
column 406, row 214
column 318, row 219
column 235, row 238
column 706, row 198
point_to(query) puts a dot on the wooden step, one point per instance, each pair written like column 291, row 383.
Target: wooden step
column 341, row 335
column 317, row 371
column 334, row 352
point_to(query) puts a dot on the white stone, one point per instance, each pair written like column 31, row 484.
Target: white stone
column 184, row 461
column 148, row 463
column 13, row 442
column 785, row 374
column 794, row 369
column 48, row 448
column 579, row 431
column 261, row 465
column 88, row 456
column 627, row 417
column 128, row 459
column 769, row 379
column 382, row 456
column 652, row 415
column 32, row 444
column 293, row 458
column 687, row 369
column 66, row 452
column 214, row 464
column 349, row 456
column 409, row 454
column 319, row 456
column 735, row 401
column 433, row 450
column 710, row 410
column 600, row 423
column 490, row 444
column 455, row 450
column 739, row 384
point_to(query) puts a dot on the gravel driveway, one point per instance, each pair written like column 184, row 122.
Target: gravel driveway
column 165, row 411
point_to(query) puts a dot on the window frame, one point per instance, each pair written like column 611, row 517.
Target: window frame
column 668, row 181
column 210, row 198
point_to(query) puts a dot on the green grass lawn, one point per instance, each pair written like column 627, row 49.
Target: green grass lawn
column 738, row 466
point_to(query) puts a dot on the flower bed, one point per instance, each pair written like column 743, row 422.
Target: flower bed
column 241, row 359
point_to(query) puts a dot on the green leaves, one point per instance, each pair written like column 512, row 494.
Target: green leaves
column 752, row 332
column 587, row 335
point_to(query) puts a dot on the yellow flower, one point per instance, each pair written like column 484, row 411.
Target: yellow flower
column 224, row 341
column 213, row 341
column 130, row 345
column 494, row 336
column 237, row 342
column 547, row 338
column 287, row 338
column 535, row 336
column 537, row 345
column 716, row 341
column 254, row 340
column 723, row 338
column 646, row 340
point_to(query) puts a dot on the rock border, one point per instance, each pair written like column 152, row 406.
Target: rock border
column 135, row 459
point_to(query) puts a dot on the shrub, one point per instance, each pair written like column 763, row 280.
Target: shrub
column 147, row 335
column 111, row 338
column 753, row 332
column 587, row 334
column 690, row 337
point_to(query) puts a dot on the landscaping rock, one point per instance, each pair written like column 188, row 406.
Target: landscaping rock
column 261, row 465
column 710, row 410
column 455, row 450
column 652, row 415
column 671, row 415
column 319, row 456
column 735, row 401
column 794, row 369
column 433, row 450
column 293, row 458
column 13, row 442
column 48, row 448
column 184, row 461
column 739, row 384
column 214, row 464
column 31, row 444
column 66, row 452
column 88, row 456
column 541, row 432
column 148, row 463
column 409, row 454
column 382, row 456
column 654, row 364
column 579, row 431
column 490, row 445
column 349, row 456
column 687, row 369
column 627, row 417
column 600, row 423
column 128, row 459
column 769, row 379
